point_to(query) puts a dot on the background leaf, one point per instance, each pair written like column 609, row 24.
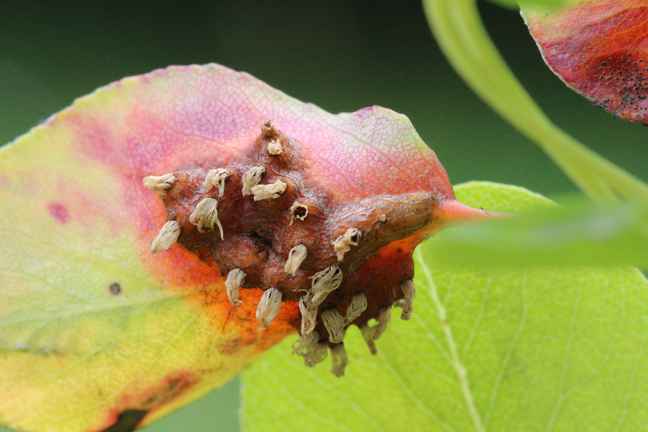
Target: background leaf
column 577, row 234
column 528, row 350
column 544, row 4
column 596, row 48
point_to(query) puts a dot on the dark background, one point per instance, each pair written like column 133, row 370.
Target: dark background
column 341, row 55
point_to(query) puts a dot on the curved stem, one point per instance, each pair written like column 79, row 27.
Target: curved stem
column 459, row 30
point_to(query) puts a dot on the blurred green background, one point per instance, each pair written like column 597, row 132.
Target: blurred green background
column 341, row 55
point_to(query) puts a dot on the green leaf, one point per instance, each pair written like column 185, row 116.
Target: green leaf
column 580, row 234
column 545, row 4
column 527, row 350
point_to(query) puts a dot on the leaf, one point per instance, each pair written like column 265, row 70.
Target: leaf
column 92, row 326
column 542, row 4
column 580, row 234
column 596, row 48
column 96, row 333
column 528, row 350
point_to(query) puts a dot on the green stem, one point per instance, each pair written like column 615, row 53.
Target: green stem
column 460, row 32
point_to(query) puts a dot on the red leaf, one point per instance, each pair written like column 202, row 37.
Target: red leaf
column 600, row 49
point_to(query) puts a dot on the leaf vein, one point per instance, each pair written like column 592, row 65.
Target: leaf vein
column 460, row 370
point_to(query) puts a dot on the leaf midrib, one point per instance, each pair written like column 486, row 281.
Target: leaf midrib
column 455, row 359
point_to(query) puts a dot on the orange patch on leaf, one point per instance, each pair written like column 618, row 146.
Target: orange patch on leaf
column 247, row 331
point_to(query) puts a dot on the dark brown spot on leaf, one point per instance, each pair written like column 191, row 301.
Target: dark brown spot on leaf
column 115, row 288
column 127, row 421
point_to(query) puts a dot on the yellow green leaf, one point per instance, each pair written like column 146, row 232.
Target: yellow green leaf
column 94, row 330
column 97, row 332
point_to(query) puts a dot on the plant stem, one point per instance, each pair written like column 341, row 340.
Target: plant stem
column 460, row 32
